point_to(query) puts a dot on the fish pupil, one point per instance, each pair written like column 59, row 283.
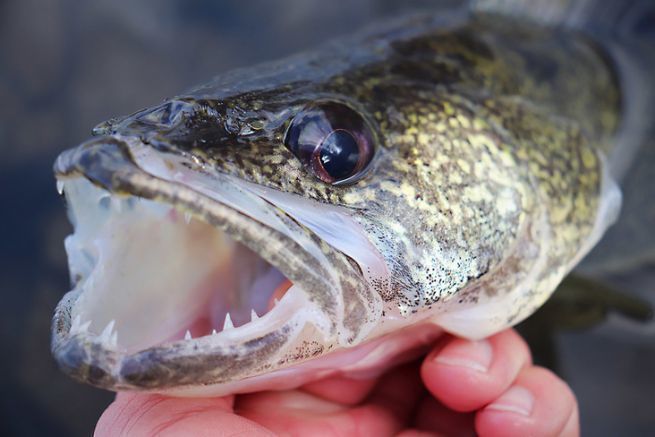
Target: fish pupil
column 339, row 154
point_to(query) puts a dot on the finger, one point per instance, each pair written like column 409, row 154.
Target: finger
column 140, row 414
column 298, row 412
column 435, row 417
column 295, row 412
column 466, row 375
column 538, row 403
column 346, row 391
column 398, row 392
column 416, row 433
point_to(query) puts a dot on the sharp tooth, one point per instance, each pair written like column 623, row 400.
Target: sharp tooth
column 187, row 218
column 187, row 336
column 105, row 336
column 253, row 315
column 276, row 301
column 228, row 323
column 214, row 332
column 113, row 341
column 60, row 187
column 84, row 326
column 76, row 324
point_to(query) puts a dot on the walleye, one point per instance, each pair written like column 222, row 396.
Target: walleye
column 326, row 213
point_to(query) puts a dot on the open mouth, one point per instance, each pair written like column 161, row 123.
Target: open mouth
column 184, row 277
column 149, row 274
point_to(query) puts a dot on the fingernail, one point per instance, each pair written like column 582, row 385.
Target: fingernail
column 517, row 400
column 476, row 355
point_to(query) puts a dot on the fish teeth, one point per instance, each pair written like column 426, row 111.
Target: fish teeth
column 84, row 327
column 276, row 301
column 228, row 323
column 77, row 327
column 214, row 332
column 105, row 336
column 187, row 336
column 253, row 315
column 113, row 341
column 76, row 323
column 60, row 187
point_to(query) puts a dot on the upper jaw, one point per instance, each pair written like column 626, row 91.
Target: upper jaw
column 332, row 302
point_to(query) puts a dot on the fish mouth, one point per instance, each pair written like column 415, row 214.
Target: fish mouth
column 188, row 277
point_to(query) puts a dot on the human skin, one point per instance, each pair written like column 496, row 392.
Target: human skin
column 489, row 387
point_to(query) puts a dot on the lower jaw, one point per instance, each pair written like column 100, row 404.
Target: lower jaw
column 366, row 361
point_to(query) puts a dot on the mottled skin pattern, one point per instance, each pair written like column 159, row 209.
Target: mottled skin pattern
column 489, row 137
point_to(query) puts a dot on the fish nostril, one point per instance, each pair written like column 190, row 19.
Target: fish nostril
column 167, row 114
column 105, row 202
column 130, row 203
column 106, row 127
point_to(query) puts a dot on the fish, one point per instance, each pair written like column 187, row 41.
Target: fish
column 336, row 211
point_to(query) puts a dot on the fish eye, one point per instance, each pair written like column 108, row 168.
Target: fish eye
column 333, row 141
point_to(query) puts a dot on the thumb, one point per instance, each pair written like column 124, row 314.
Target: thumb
column 151, row 414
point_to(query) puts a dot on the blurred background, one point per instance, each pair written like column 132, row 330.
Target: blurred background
column 66, row 65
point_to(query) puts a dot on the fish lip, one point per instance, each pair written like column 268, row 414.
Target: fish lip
column 108, row 162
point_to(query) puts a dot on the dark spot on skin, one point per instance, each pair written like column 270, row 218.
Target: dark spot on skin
column 70, row 356
column 139, row 372
column 543, row 68
column 96, row 374
column 85, row 362
column 433, row 73
column 416, row 48
column 474, row 45
column 457, row 45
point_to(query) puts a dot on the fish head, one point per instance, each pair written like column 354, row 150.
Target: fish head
column 241, row 231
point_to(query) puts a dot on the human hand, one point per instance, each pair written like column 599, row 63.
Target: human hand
column 461, row 387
